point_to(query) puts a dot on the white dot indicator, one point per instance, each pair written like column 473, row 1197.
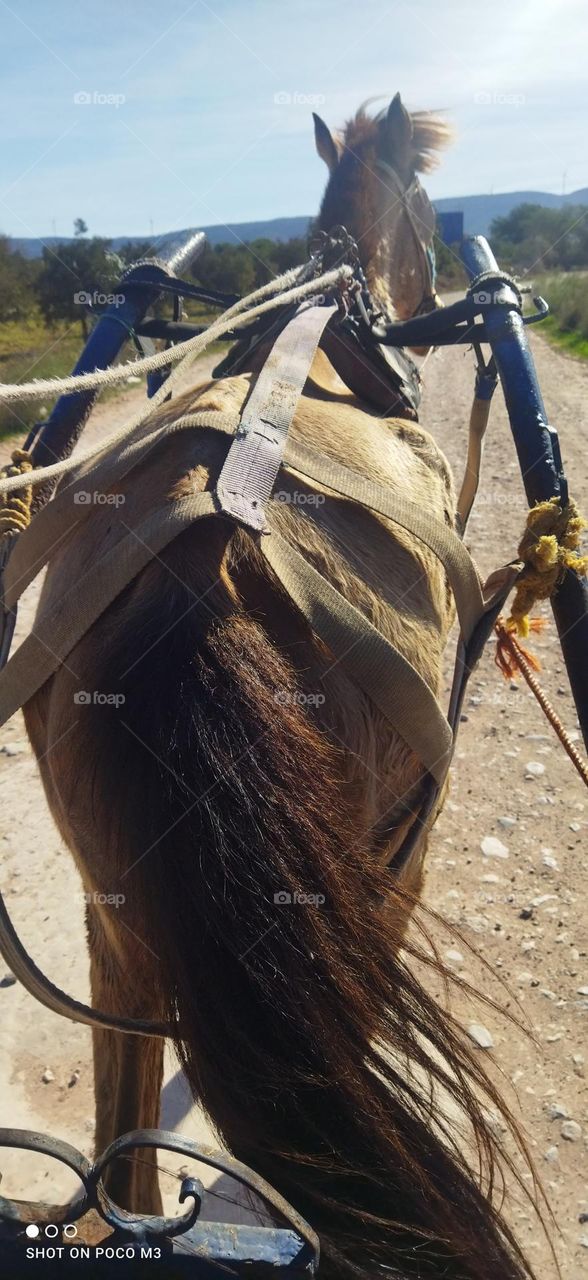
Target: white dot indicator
column 32, row 1230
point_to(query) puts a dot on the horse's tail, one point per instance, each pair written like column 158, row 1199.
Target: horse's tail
column 309, row 1041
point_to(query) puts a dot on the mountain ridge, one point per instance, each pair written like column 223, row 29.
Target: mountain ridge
column 478, row 211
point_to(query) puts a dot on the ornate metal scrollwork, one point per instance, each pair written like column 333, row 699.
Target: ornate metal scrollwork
column 291, row 1249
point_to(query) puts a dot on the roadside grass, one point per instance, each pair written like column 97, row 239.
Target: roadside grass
column 567, row 324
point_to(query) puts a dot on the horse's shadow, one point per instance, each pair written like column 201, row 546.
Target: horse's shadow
column 224, row 1200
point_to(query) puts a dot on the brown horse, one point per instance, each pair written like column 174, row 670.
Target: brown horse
column 246, row 796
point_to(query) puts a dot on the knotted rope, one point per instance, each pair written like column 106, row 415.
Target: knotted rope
column 16, row 514
column 548, row 547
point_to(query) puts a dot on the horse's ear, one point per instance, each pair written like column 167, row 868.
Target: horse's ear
column 325, row 143
column 398, row 133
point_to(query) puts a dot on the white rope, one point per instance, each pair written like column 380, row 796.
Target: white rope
column 189, row 351
column 110, row 377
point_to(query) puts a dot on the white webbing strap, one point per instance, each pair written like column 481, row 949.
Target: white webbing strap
column 246, row 481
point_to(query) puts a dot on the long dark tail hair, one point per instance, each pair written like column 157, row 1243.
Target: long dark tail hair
column 304, row 1032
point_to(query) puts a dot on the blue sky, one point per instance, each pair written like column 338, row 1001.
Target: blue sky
column 185, row 125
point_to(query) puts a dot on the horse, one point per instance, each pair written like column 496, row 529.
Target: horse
column 246, row 800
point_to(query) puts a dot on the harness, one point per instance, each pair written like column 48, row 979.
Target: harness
column 260, row 445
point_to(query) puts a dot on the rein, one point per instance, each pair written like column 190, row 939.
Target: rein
column 424, row 242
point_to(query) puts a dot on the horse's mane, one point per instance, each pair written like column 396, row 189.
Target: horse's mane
column 431, row 133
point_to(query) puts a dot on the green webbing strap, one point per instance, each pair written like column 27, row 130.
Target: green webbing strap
column 64, row 513
column 371, row 660
column 440, row 538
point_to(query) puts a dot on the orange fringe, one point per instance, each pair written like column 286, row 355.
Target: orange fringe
column 507, row 646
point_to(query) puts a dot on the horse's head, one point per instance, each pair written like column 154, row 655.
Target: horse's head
column 374, row 191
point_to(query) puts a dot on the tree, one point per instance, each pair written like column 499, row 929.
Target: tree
column 73, row 275
column 80, row 227
column 17, row 278
column 531, row 236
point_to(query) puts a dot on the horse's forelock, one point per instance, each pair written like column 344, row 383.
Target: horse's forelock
column 431, row 133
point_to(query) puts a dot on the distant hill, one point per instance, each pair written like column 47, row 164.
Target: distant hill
column 240, row 232
column 478, row 211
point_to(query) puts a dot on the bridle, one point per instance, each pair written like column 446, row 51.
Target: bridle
column 422, row 229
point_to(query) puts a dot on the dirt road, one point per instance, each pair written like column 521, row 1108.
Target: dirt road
column 522, row 907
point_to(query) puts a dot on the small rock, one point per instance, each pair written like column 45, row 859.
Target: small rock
column 12, row 749
column 582, row 991
column 571, row 1131
column 551, row 1155
column 8, row 980
column 534, row 769
column 582, row 1218
column 550, row 861
column 575, row 826
column 480, row 1035
column 455, row 957
column 73, row 1079
column 507, row 822
column 583, row 1240
column 526, row 913
column 556, row 1111
column 492, row 847
column 47, row 1076
column 527, row 945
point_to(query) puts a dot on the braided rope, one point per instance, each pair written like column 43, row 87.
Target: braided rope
column 191, row 350
column 511, row 655
column 235, row 317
